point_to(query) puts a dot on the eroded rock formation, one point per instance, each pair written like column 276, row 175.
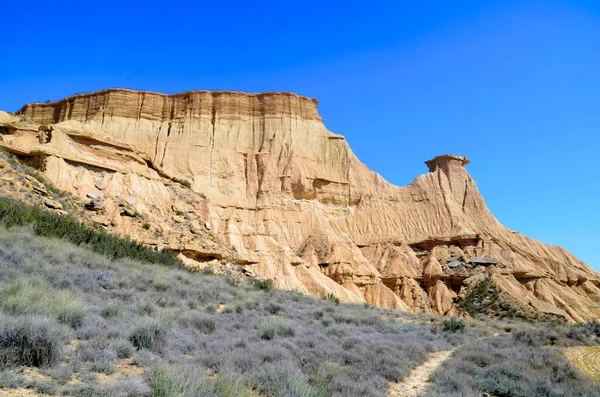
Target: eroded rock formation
column 272, row 189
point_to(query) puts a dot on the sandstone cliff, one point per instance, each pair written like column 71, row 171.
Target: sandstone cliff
column 272, row 189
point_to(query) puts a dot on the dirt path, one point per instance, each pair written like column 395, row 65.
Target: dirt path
column 417, row 381
column 587, row 359
column 20, row 392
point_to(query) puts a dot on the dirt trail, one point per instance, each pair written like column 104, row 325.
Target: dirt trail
column 587, row 359
column 417, row 381
column 20, row 392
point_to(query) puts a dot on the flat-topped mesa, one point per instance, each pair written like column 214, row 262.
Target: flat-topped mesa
column 446, row 161
column 240, row 150
column 118, row 102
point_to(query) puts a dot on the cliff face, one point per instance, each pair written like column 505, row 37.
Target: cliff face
column 288, row 199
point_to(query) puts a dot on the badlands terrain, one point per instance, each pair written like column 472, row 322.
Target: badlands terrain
column 256, row 180
column 84, row 313
column 166, row 245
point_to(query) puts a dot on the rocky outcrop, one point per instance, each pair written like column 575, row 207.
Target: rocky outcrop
column 272, row 189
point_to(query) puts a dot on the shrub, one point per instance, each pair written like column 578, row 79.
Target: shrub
column 151, row 335
column 453, row 325
column 44, row 387
column 47, row 224
column 485, row 299
column 593, row 327
column 60, row 373
column 262, row 284
column 111, row 309
column 168, row 381
column 332, row 298
column 124, row 349
column 275, row 327
column 273, row 308
column 32, row 340
column 204, row 323
column 357, row 354
column 186, row 183
column 98, row 354
column 129, row 387
column 510, row 365
column 146, row 308
column 10, row 380
column 68, row 310
column 25, row 297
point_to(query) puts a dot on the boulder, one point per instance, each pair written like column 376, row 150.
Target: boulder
column 52, row 204
column 95, row 205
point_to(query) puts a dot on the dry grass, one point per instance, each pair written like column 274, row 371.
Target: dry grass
column 139, row 330
column 586, row 358
column 120, row 328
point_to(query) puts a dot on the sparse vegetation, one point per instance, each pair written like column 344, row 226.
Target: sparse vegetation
column 47, row 224
column 186, row 183
column 30, row 340
column 453, row 325
column 521, row 364
column 151, row 335
column 73, row 314
column 485, row 299
column 332, row 298
column 262, row 284
column 175, row 328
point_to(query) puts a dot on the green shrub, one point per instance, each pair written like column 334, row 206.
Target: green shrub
column 453, row 325
column 47, row 224
column 485, row 299
column 26, row 297
column 332, row 298
column 72, row 315
column 68, row 309
column 262, row 285
column 268, row 333
column 186, row 183
column 229, row 385
column 32, row 340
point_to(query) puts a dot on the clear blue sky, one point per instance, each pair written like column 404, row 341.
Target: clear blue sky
column 513, row 85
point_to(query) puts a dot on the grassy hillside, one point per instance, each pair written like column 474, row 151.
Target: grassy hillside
column 70, row 229
column 82, row 321
column 120, row 327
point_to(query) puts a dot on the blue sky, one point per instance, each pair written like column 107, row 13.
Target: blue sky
column 513, row 85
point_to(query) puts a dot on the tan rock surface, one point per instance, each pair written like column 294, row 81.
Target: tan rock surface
column 287, row 198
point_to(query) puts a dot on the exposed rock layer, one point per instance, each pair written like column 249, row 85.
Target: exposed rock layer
column 288, row 199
